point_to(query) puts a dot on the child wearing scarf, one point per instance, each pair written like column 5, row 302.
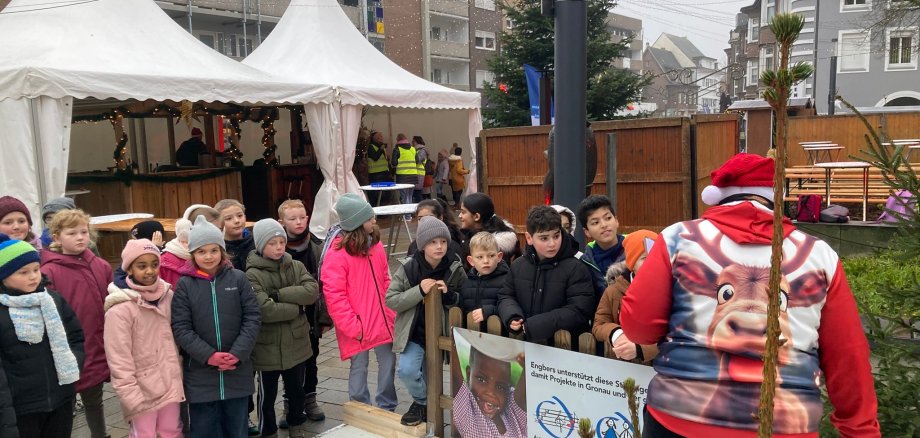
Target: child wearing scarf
column 139, row 346
column 39, row 372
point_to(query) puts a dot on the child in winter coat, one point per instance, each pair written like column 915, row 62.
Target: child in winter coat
column 175, row 255
column 16, row 221
column 215, row 321
column 564, row 297
column 355, row 277
column 606, row 326
column 441, row 173
column 237, row 238
column 485, row 279
column 41, row 344
column 283, row 287
column 457, row 174
column 303, row 247
column 82, row 279
column 139, row 345
column 605, row 248
column 477, row 213
column 434, row 269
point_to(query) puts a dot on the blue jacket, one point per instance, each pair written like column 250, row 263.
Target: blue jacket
column 597, row 271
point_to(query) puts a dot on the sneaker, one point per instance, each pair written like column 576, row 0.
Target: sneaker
column 312, row 409
column 253, row 428
column 417, row 414
column 283, row 424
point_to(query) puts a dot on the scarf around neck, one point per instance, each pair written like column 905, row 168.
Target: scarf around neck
column 176, row 248
column 149, row 293
column 33, row 314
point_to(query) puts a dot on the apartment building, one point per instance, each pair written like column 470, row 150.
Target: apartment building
column 234, row 28
column 622, row 27
column 671, row 89
column 702, row 71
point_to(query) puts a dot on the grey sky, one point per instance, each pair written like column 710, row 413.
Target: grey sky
column 704, row 22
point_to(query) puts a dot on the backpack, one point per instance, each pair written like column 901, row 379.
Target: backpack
column 808, row 208
column 835, row 214
column 901, row 204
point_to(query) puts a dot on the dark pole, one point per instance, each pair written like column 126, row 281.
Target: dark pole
column 832, row 87
column 546, row 98
column 571, row 77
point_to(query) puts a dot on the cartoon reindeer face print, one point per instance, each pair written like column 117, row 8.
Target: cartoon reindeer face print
column 739, row 322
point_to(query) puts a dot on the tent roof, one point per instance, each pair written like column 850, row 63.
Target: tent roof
column 125, row 49
column 316, row 43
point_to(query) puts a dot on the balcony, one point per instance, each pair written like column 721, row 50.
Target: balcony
column 461, row 87
column 450, row 49
column 451, row 7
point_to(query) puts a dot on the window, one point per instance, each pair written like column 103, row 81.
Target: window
column 485, row 40
column 766, row 58
column 436, row 76
column 484, row 76
column 436, row 33
column 855, row 5
column 486, row 4
column 853, row 51
column 232, row 46
column 754, row 29
column 902, row 43
column 769, row 10
column 509, row 23
column 245, row 46
column 753, row 76
column 350, row 3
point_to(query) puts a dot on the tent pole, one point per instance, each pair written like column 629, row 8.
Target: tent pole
column 390, row 126
column 142, row 146
column 171, row 134
column 37, row 148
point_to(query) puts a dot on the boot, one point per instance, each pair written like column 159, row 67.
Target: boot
column 283, row 423
column 312, row 409
column 299, row 431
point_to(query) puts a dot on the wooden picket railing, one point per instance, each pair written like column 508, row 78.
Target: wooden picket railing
column 437, row 343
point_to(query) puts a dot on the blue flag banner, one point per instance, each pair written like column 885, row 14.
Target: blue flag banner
column 533, row 92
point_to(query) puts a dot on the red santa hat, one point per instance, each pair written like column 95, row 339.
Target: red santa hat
column 749, row 174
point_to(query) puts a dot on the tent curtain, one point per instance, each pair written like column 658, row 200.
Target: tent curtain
column 475, row 127
column 35, row 145
column 334, row 131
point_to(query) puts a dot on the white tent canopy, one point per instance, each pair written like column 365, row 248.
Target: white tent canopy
column 55, row 51
column 316, row 43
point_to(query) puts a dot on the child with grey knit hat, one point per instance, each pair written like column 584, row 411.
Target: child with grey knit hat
column 435, row 268
column 283, row 286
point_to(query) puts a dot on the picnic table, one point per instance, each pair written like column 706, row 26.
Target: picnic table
column 816, row 150
column 847, row 165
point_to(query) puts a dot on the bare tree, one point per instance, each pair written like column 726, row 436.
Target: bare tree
column 893, row 14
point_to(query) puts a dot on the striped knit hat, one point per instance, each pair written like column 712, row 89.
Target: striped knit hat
column 14, row 254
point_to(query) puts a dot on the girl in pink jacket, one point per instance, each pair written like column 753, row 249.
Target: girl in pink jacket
column 355, row 278
column 139, row 346
column 82, row 278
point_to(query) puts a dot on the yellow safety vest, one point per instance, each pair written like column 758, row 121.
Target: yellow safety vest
column 379, row 165
column 405, row 164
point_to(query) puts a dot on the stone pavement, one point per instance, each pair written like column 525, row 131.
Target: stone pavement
column 332, row 389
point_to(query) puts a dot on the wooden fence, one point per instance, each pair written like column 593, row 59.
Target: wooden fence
column 661, row 166
column 848, row 131
column 436, row 345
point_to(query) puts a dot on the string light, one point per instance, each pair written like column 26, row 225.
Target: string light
column 234, row 152
column 121, row 164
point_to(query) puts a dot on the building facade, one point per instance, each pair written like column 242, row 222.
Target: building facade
column 622, row 27
column 671, row 89
column 698, row 70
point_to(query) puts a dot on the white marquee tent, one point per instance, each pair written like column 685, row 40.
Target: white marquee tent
column 316, row 43
column 56, row 51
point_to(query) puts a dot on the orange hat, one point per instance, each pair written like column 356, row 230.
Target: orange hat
column 634, row 246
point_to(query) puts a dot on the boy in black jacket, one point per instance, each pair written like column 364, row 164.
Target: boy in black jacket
column 548, row 289
column 485, row 279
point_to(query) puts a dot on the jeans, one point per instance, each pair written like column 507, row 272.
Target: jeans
column 386, row 368
column 93, row 410
column 219, row 419
column 164, row 420
column 405, row 196
column 55, row 424
column 268, row 393
column 412, row 373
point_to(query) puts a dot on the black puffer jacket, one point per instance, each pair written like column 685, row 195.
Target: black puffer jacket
column 239, row 250
column 29, row 368
column 211, row 315
column 552, row 294
column 481, row 291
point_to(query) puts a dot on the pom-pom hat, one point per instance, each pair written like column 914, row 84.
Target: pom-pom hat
column 748, row 174
column 14, row 254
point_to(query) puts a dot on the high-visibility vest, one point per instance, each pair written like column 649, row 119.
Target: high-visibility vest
column 379, row 165
column 405, row 164
column 421, row 166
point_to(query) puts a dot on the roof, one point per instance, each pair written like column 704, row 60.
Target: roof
column 665, row 59
column 687, row 47
column 316, row 43
column 755, row 104
column 80, row 49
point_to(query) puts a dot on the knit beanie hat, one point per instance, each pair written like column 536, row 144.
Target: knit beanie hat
column 145, row 230
column 634, row 246
column 265, row 230
column 749, row 174
column 57, row 204
column 430, row 228
column 183, row 226
column 14, row 254
column 136, row 248
column 9, row 204
column 204, row 233
column 353, row 211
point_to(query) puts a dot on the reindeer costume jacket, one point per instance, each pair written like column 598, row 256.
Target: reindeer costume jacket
column 702, row 295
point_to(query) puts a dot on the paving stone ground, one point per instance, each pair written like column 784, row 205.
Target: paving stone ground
column 332, row 389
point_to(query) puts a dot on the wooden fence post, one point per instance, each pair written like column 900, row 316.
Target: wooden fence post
column 434, row 315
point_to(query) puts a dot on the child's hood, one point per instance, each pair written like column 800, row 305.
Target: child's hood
column 118, row 295
column 566, row 250
column 453, row 157
column 499, row 271
column 256, row 261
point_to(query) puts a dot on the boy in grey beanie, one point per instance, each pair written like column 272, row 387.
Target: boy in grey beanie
column 265, row 230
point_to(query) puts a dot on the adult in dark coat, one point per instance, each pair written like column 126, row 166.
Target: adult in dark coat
column 189, row 150
column 549, row 295
column 590, row 162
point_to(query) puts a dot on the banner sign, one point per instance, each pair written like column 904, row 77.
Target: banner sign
column 510, row 388
column 533, row 93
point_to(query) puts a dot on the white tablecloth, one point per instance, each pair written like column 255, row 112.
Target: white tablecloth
column 389, row 210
